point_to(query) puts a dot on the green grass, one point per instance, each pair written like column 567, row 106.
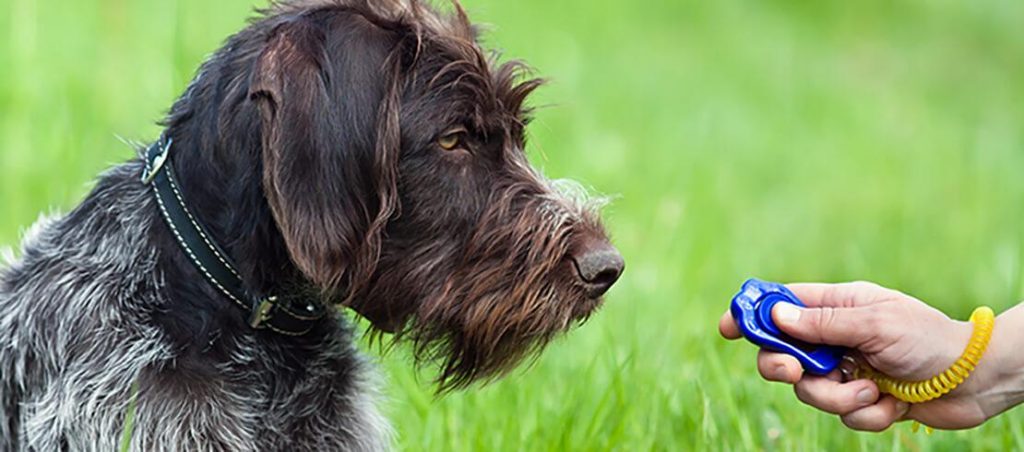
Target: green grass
column 825, row 140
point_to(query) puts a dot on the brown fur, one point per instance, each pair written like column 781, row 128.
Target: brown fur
column 310, row 146
column 479, row 301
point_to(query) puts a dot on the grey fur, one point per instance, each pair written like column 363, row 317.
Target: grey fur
column 75, row 336
column 326, row 182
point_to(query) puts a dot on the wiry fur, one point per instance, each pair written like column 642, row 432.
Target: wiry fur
column 308, row 147
column 76, row 331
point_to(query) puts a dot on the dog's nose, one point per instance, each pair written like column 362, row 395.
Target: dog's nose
column 598, row 265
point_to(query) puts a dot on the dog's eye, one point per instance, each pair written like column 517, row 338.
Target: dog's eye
column 452, row 140
column 449, row 142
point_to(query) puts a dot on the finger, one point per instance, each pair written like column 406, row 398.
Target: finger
column 842, row 295
column 778, row 367
column 727, row 327
column 849, row 327
column 878, row 416
column 828, row 394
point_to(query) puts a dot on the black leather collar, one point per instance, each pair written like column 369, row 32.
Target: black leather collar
column 288, row 318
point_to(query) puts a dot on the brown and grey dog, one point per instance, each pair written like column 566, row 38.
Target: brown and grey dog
column 364, row 154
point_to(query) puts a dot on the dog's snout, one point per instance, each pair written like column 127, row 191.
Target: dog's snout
column 598, row 265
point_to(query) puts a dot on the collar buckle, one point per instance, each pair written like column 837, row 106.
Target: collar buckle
column 262, row 312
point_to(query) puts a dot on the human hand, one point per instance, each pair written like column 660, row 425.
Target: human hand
column 897, row 335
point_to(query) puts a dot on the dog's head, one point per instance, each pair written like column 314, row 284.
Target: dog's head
column 393, row 163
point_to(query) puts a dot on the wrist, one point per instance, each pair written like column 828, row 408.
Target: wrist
column 1000, row 373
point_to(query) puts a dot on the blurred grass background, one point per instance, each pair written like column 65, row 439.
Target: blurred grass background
column 788, row 140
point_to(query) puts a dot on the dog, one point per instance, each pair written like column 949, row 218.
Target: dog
column 334, row 155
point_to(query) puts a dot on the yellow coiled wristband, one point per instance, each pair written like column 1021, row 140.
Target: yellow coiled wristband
column 922, row 391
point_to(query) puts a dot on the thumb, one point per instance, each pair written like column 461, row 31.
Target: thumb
column 848, row 327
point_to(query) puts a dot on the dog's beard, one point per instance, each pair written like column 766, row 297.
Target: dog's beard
column 499, row 296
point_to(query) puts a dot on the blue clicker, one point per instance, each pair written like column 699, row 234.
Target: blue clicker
column 752, row 310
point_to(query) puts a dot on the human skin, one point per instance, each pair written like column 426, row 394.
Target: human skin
column 902, row 337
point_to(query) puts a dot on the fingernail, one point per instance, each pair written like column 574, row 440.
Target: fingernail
column 780, row 372
column 865, row 396
column 787, row 313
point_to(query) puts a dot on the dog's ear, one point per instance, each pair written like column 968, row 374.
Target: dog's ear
column 329, row 145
